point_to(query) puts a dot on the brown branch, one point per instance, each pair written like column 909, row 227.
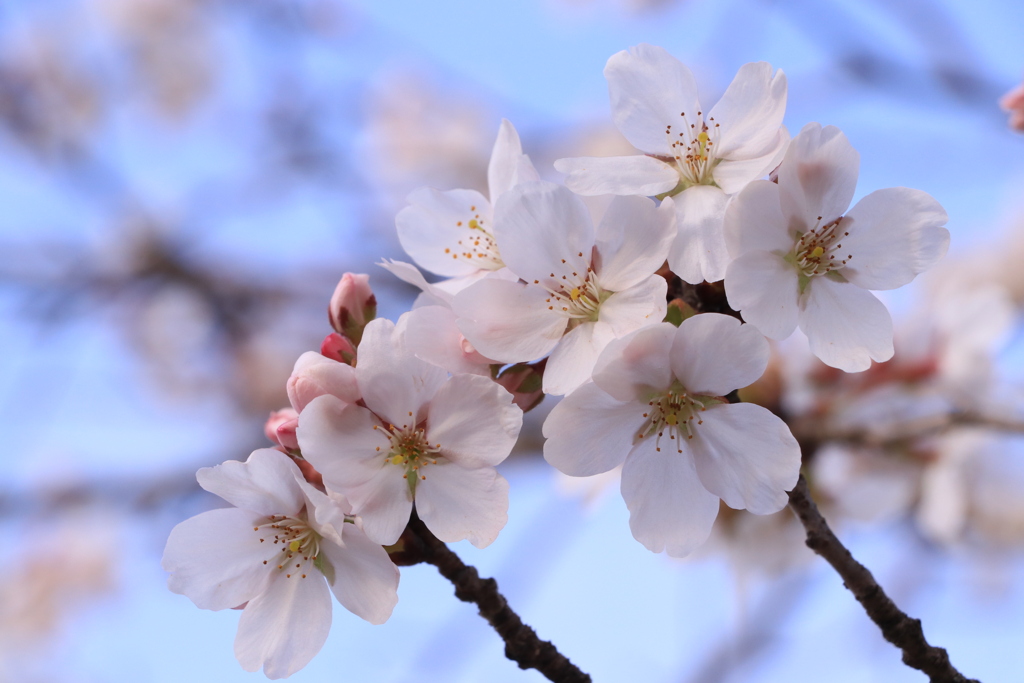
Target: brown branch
column 522, row 645
column 899, row 629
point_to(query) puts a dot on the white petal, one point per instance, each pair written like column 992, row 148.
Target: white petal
column 264, row 483
column 633, row 240
column 365, row 580
column 394, row 383
column 216, row 559
column 431, row 334
column 750, row 112
column 406, row 272
column 699, row 251
column 637, row 365
column 458, row 503
column 435, row 230
column 714, row 354
column 754, row 221
column 315, row 375
column 346, row 444
column 572, row 361
column 641, row 305
column 589, row 432
column 746, row 456
column 544, row 232
column 649, row 90
column 508, row 166
column 818, row 176
column 895, row 234
column 669, row 509
column 474, row 421
column 766, row 290
column 632, row 175
column 384, row 503
column 847, row 327
column 732, row 175
column 284, row 628
column 508, row 321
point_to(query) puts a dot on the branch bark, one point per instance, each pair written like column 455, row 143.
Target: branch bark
column 522, row 645
column 898, row 628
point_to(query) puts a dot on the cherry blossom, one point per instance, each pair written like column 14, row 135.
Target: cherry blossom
column 272, row 553
column 580, row 286
column 353, row 304
column 798, row 260
column 656, row 407
column 701, row 157
column 422, row 437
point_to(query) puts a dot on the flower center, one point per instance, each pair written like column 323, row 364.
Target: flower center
column 693, row 149
column 816, row 252
column 411, row 451
column 300, row 545
column 477, row 245
column 675, row 413
column 577, row 297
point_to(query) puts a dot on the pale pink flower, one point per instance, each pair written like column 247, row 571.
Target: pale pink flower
column 280, row 428
column 352, row 306
column 315, row 375
column 422, row 437
column 272, row 553
column 798, row 260
column 1013, row 102
column 656, row 407
column 699, row 157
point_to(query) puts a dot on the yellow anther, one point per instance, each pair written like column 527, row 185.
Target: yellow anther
column 473, row 225
column 672, row 419
column 575, row 293
column 817, row 252
column 294, row 546
column 397, row 459
column 702, row 137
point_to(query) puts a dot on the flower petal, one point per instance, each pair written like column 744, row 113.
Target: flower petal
column 384, row 503
column 264, row 483
column 732, row 175
column 649, row 90
column 216, row 559
column 431, row 333
column 754, row 221
column 406, row 272
column 637, row 366
column 572, row 361
column 698, row 252
column 746, row 456
column 508, row 166
column 714, row 354
column 847, row 327
column 315, row 375
column 474, row 421
column 766, row 290
column 346, row 444
column 750, row 112
column 818, row 176
column 669, row 509
column 282, row 629
column 641, row 305
column 895, row 234
column 365, row 581
column 435, row 230
column 457, row 503
column 633, row 240
column 589, row 432
column 632, row 175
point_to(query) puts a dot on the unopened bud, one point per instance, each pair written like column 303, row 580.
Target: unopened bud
column 340, row 348
column 280, row 428
column 315, row 375
column 352, row 306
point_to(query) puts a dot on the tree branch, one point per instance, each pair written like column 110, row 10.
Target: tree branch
column 522, row 645
column 899, row 629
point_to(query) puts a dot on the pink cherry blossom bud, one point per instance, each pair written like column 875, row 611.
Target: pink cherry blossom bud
column 276, row 419
column 1013, row 102
column 339, row 348
column 352, row 306
column 524, row 382
column 314, row 375
column 286, row 435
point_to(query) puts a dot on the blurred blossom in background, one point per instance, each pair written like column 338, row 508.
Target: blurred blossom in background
column 184, row 181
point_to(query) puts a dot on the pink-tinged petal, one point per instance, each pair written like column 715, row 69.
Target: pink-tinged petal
column 750, row 112
column 284, row 628
column 394, row 383
column 544, row 232
column 818, row 176
column 895, row 234
column 572, row 361
column 698, row 252
column 732, row 175
column 431, row 334
column 436, row 230
column 325, row 511
column 384, row 503
column 633, row 240
column 637, row 366
column 766, row 290
column 632, row 175
column 315, row 375
column 641, row 305
column 754, row 221
column 474, row 421
column 847, row 327
column 364, row 579
column 713, row 354
column 458, row 503
column 346, row 444
column 746, row 456
column 264, row 483
column 508, row 166
column 508, row 321
column 589, row 432
column 650, row 89
column 406, row 272
column 216, row 559
column 669, row 509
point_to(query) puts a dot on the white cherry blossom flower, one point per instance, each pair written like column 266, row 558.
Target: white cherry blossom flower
column 581, row 287
column 798, row 260
column 656, row 407
column 422, row 437
column 699, row 156
column 272, row 553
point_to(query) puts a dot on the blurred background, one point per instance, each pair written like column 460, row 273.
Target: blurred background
column 184, row 181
